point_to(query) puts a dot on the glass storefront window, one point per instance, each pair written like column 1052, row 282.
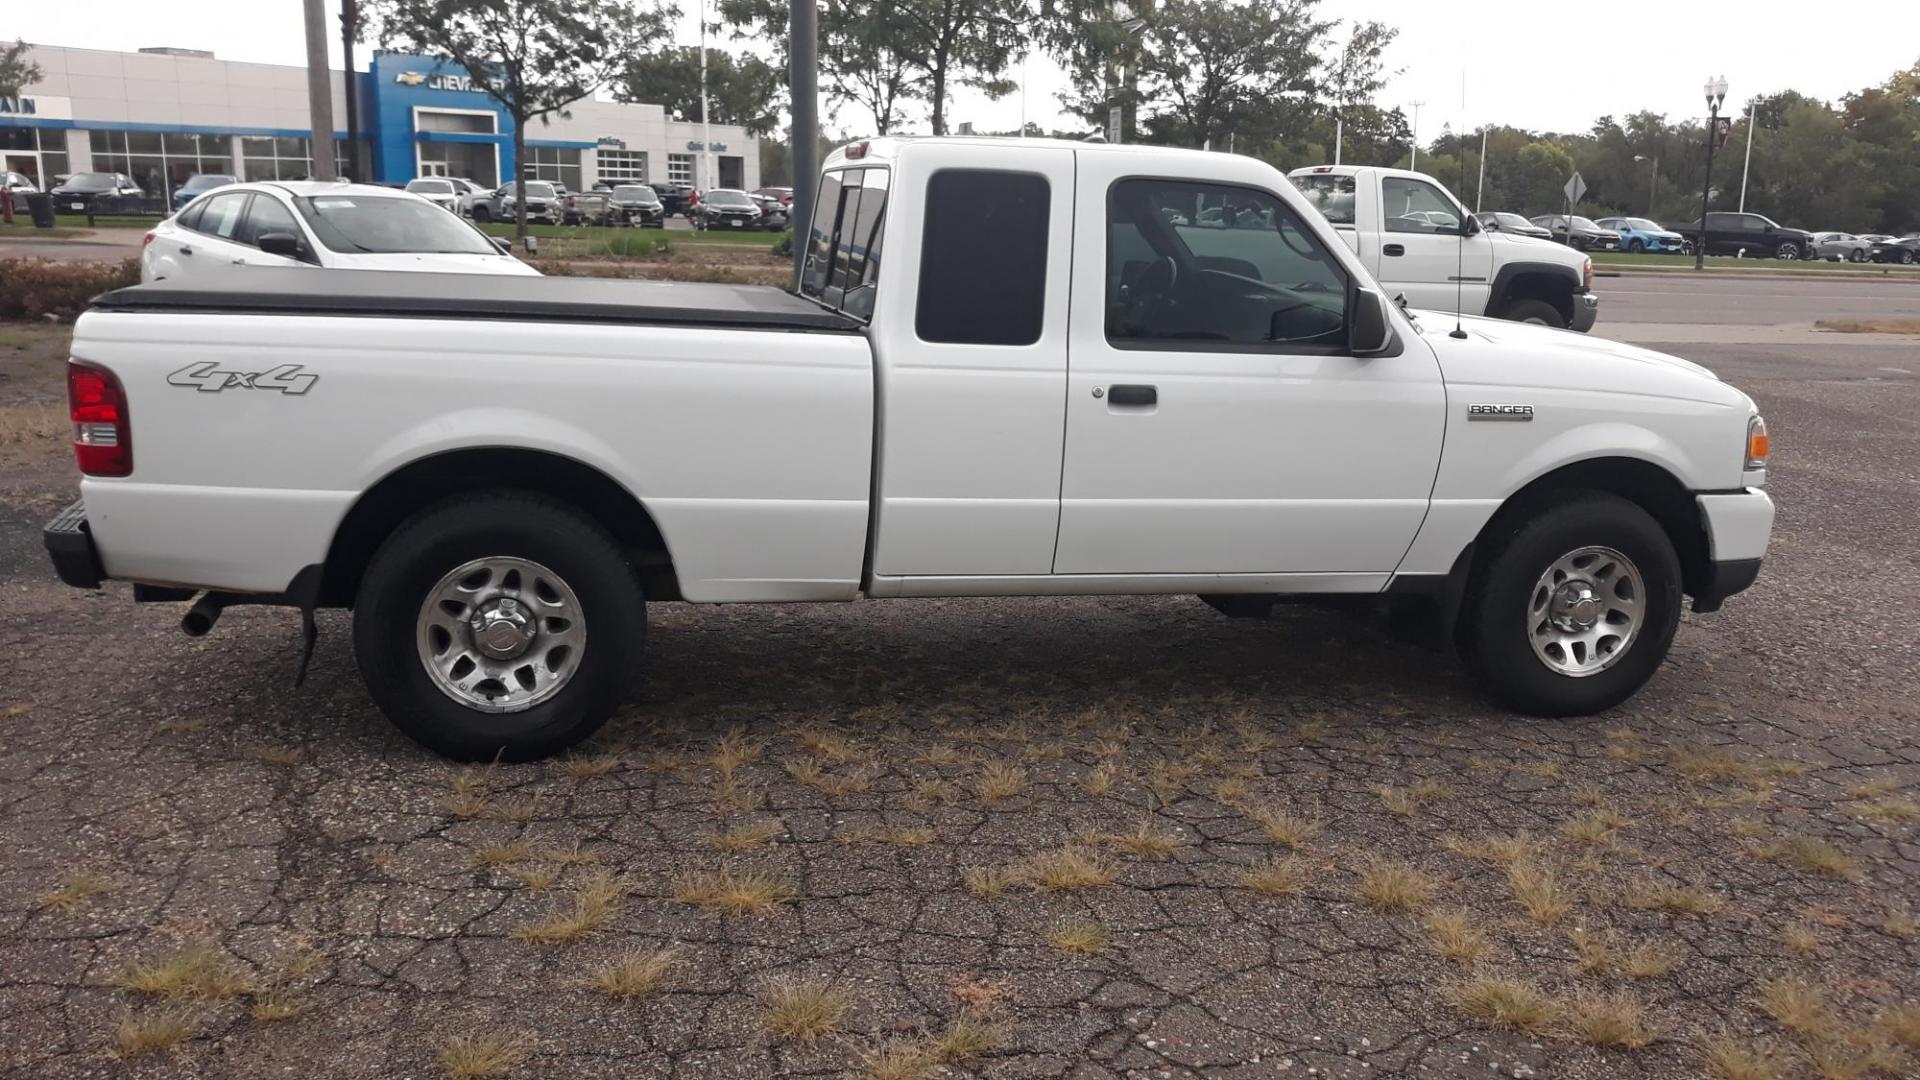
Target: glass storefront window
column 555, row 164
column 621, row 166
column 680, row 168
column 158, row 162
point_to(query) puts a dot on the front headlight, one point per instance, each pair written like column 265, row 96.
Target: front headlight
column 1756, row 442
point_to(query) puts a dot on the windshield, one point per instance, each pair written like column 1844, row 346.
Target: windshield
column 383, row 225
column 89, row 181
column 436, row 187
column 202, row 181
column 536, row 189
column 635, row 193
column 1514, row 221
column 724, row 197
column 1644, row 225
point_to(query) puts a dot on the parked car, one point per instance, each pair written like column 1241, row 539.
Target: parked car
column 1404, row 227
column 316, row 223
column 1753, row 235
column 774, row 214
column 1840, row 247
column 543, row 204
column 467, row 193
column 1586, row 235
column 78, row 192
column 1638, row 234
column 501, row 501
column 583, row 207
column 1512, row 224
column 1904, row 250
column 637, row 205
column 727, row 208
column 199, row 184
column 678, row 198
column 784, row 194
column 438, row 190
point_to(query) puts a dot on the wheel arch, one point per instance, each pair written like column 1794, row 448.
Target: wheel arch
column 403, row 491
column 1551, row 282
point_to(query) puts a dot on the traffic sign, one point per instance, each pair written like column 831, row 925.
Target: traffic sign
column 1575, row 188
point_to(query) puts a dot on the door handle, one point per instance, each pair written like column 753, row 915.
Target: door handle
column 1393, row 249
column 185, row 250
column 1133, row 395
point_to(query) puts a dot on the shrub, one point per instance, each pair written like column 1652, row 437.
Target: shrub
column 625, row 244
column 784, row 246
column 36, row 288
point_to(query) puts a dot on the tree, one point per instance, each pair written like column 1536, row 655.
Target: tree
column 16, row 71
column 1210, row 67
column 742, row 90
column 968, row 42
column 534, row 57
column 858, row 61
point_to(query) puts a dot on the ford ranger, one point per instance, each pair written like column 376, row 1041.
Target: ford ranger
column 1008, row 367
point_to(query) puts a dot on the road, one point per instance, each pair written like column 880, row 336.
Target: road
column 1680, row 297
column 1249, row 799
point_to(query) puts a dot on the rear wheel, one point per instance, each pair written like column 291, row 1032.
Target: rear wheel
column 1906, row 257
column 1857, row 255
column 481, row 212
column 498, row 625
column 1787, row 252
column 1572, row 609
column 1538, row 312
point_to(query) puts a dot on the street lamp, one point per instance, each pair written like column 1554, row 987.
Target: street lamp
column 1716, row 91
column 1653, row 179
column 1415, row 165
column 1123, row 90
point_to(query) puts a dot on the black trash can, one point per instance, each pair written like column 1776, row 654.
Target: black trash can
column 40, row 206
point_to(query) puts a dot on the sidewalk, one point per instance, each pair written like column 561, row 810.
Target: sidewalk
column 92, row 245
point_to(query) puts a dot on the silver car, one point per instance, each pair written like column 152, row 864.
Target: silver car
column 1841, row 247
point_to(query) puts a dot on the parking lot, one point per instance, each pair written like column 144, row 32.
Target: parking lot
column 1007, row 838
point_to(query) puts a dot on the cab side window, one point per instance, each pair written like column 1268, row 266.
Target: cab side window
column 1415, row 206
column 983, row 258
column 1210, row 266
column 267, row 215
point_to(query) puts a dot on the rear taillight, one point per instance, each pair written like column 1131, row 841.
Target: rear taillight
column 1586, row 274
column 102, row 432
column 147, row 239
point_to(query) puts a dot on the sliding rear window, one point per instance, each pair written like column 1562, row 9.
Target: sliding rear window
column 843, row 241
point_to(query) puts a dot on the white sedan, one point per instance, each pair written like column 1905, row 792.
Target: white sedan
column 316, row 223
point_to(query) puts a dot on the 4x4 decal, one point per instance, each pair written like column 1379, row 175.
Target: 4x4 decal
column 209, row 377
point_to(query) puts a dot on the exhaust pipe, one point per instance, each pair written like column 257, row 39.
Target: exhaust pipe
column 203, row 614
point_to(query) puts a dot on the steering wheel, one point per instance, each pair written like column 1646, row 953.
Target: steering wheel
column 1152, row 291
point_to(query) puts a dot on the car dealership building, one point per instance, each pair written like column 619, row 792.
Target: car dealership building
column 161, row 115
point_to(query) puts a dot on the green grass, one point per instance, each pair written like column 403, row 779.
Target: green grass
column 24, row 230
column 1623, row 260
column 79, row 221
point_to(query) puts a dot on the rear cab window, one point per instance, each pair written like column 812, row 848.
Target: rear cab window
column 983, row 258
column 842, row 266
column 1329, row 193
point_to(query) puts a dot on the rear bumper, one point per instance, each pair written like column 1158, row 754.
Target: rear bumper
column 70, row 545
column 1738, row 525
column 1586, row 312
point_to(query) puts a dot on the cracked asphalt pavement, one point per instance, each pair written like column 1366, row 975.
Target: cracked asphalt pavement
column 1117, row 837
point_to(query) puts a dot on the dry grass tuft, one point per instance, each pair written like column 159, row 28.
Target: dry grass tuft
column 1899, row 922
column 1873, row 789
column 1733, row 1057
column 897, row 1059
column 943, row 754
column 1648, row 961
column 733, row 750
column 1537, row 888
column 805, row 1009
column 536, row 878
column 854, row 781
column 1604, row 954
column 75, row 889
column 1100, row 780
column 516, row 810
column 986, row 882
column 1495, row 848
column 1610, row 1020
column 1085, row 938
column 1597, row 828
column 284, row 756
column 1145, row 842
column 594, row 906
column 1798, row 1006
column 1655, row 895
column 747, row 892
column 1812, row 855
column 1801, row 938
column 502, row 854
column 1064, row 868
column 635, row 973
column 966, row 1036
column 1890, row 810
column 571, row 855
column 200, row 970
column 742, row 837
column 275, row 1006
column 1900, row 1024
column 1000, row 781
column 1505, row 1003
column 832, row 745
column 1454, row 936
column 1387, row 885
column 589, row 766
column 139, row 1034
column 1588, row 795
column 490, row 1053
column 1285, row 827
column 1277, row 877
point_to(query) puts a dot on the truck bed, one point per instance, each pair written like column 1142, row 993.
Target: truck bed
column 390, row 294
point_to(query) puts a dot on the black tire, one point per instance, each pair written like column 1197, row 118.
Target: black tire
column 1856, row 256
column 1636, row 247
column 1493, row 633
column 1533, row 311
column 1906, row 257
column 481, row 212
column 449, row 534
column 1787, row 252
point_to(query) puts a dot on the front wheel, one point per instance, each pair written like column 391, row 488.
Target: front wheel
column 1538, row 312
column 1636, row 247
column 1570, row 610
column 1787, row 252
column 500, row 625
column 1856, row 256
column 1906, row 257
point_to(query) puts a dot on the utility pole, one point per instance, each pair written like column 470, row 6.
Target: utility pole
column 349, row 30
column 1716, row 91
column 319, row 91
column 706, row 129
column 1748, row 165
column 1480, row 187
column 803, row 84
column 1415, row 164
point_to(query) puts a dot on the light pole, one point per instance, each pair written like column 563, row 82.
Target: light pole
column 1752, row 109
column 1415, row 164
column 1123, row 89
column 1653, row 179
column 1716, row 90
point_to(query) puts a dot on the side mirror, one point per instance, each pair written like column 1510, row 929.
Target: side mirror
column 280, row 243
column 1492, row 224
column 1368, row 329
column 502, row 246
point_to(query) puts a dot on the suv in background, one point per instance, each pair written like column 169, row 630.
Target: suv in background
column 543, row 203
column 82, row 190
column 677, row 198
column 437, row 190
column 1586, row 235
column 1753, row 235
column 637, row 205
column 1638, row 234
column 728, row 208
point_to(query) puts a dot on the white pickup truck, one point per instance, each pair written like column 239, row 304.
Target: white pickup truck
column 1010, row 368
column 1416, row 239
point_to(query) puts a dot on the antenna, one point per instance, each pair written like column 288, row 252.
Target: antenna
column 1460, row 238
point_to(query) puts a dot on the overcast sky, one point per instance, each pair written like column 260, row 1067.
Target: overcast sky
column 1519, row 67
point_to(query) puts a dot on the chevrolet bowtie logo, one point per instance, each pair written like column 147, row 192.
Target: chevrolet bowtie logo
column 410, row 78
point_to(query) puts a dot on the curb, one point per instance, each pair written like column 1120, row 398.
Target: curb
column 1763, row 275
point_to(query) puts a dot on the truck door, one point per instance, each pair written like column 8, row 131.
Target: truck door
column 1216, row 421
column 971, row 355
column 1422, row 252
